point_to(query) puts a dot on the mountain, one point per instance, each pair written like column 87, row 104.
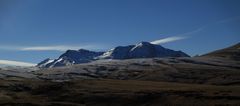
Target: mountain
column 141, row 50
column 70, row 57
column 232, row 52
column 45, row 63
column 208, row 69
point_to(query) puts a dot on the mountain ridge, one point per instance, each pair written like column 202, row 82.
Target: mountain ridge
column 232, row 52
column 140, row 50
column 70, row 57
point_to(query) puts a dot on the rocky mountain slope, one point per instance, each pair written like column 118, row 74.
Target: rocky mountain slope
column 70, row 57
column 140, row 50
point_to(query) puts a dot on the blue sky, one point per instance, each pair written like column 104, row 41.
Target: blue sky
column 32, row 30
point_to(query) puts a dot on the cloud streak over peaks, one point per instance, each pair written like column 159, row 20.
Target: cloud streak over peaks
column 52, row 48
column 186, row 35
column 169, row 39
column 177, row 37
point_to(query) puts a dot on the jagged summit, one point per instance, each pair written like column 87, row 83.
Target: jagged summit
column 141, row 50
column 143, row 43
column 70, row 57
column 79, row 54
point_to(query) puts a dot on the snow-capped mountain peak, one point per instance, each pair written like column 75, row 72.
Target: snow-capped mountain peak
column 140, row 50
column 71, row 57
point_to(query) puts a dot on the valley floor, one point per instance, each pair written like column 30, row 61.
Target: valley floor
column 107, row 92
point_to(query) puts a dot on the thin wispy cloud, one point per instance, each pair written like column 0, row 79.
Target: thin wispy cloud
column 237, row 18
column 192, row 32
column 178, row 37
column 52, row 47
column 103, row 47
column 16, row 63
column 188, row 34
column 9, row 47
column 169, row 39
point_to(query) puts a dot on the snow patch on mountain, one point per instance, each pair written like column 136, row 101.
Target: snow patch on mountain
column 70, row 57
column 141, row 50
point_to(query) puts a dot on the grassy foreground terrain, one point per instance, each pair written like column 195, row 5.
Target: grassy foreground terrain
column 26, row 92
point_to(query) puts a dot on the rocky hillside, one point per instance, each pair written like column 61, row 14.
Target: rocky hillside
column 232, row 52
